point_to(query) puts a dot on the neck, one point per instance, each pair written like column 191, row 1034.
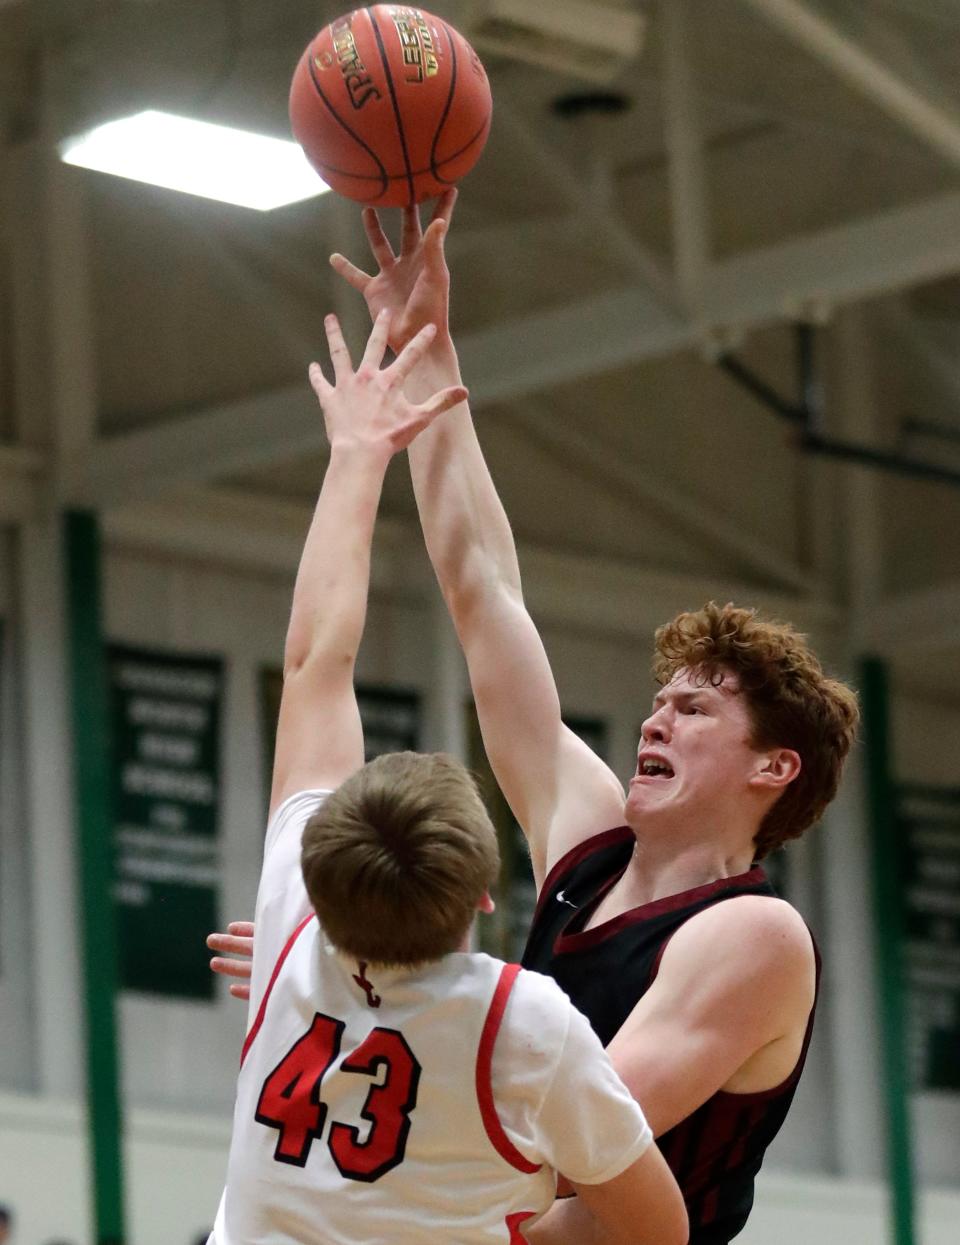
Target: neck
column 659, row 867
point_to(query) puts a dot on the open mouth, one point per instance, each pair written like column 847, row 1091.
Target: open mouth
column 654, row 769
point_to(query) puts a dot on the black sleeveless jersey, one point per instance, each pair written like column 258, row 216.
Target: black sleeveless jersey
column 716, row 1152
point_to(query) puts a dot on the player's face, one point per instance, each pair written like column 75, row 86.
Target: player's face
column 695, row 756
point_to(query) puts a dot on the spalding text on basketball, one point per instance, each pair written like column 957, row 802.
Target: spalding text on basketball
column 358, row 82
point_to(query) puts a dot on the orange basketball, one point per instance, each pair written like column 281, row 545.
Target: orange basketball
column 390, row 105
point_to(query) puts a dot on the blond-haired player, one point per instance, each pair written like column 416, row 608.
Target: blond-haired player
column 395, row 1087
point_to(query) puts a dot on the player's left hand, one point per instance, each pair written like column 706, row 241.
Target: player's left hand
column 237, row 941
column 414, row 285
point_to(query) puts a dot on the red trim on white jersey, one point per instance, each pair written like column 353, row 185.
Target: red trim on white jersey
column 488, row 1111
column 515, row 1222
column 255, row 1027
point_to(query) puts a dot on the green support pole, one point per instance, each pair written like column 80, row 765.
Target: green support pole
column 888, row 926
column 91, row 741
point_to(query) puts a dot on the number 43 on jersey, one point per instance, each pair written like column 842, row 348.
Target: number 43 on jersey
column 290, row 1099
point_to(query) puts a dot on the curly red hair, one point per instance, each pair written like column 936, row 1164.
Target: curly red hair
column 792, row 702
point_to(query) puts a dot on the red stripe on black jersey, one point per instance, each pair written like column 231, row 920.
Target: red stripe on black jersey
column 716, row 1151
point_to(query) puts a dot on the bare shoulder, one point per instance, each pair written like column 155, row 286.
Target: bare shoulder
column 758, row 936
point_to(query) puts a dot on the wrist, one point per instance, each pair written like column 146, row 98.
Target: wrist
column 443, row 349
column 438, row 369
column 366, row 457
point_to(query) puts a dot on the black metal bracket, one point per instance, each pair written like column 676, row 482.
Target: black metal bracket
column 805, row 413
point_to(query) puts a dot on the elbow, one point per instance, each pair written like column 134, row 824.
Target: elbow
column 462, row 580
column 296, row 650
column 472, row 574
column 330, row 643
column 293, row 662
column 318, row 661
column 479, row 595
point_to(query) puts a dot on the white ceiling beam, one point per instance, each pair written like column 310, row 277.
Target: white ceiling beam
column 935, row 121
column 519, row 357
column 265, row 537
column 164, row 450
column 686, row 159
column 710, row 528
column 894, row 250
column 730, row 113
column 848, row 263
column 227, row 439
column 589, row 198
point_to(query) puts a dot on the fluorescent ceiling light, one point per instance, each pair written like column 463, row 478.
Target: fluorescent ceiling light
column 214, row 161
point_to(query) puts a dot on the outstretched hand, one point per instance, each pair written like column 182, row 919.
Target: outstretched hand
column 237, row 941
column 414, row 285
column 368, row 407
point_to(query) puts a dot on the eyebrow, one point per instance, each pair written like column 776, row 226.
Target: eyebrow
column 683, row 697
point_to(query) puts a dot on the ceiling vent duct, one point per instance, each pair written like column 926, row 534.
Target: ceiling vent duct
column 583, row 38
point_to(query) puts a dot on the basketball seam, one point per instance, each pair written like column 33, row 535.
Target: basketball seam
column 383, row 177
column 447, row 106
column 396, row 105
column 396, row 177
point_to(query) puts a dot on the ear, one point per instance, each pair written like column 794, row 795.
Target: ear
column 776, row 769
column 485, row 903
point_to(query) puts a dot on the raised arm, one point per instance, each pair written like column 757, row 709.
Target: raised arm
column 368, row 418
column 560, row 792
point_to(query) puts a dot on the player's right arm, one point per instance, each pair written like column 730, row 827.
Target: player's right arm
column 319, row 739
column 641, row 1206
column 558, row 789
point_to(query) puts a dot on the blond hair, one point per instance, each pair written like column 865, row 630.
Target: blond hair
column 791, row 701
column 399, row 856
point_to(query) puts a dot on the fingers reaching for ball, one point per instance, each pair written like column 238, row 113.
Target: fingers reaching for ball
column 379, row 242
column 368, row 407
column 445, row 205
column 412, row 353
column 377, row 341
column 339, row 354
column 444, row 401
column 350, row 272
column 411, row 232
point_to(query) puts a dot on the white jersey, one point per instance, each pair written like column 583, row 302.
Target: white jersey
column 404, row 1105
